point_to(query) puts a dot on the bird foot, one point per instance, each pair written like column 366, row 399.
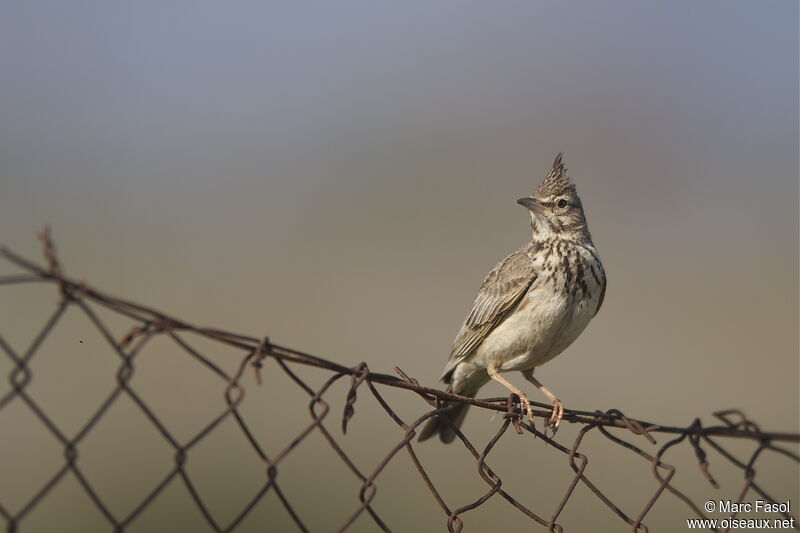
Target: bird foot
column 555, row 418
column 525, row 404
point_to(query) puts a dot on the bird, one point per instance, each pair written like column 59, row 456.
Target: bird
column 530, row 307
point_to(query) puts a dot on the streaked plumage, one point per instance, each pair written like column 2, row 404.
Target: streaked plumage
column 532, row 305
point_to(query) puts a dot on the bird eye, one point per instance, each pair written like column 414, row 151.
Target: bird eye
column 561, row 204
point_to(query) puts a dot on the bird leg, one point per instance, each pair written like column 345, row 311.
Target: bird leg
column 558, row 407
column 523, row 398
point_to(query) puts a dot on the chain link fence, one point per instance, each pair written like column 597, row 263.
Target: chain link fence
column 363, row 385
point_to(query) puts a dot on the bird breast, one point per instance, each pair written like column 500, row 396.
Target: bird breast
column 555, row 310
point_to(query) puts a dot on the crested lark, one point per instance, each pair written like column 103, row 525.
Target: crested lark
column 531, row 306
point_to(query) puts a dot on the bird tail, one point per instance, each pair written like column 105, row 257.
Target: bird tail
column 446, row 423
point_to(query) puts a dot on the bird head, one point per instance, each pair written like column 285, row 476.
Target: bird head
column 554, row 206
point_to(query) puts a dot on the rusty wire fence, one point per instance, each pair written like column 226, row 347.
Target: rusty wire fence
column 364, row 385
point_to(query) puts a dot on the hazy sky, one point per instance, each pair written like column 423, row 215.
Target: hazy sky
column 340, row 176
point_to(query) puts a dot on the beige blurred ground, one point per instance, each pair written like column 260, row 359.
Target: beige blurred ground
column 340, row 179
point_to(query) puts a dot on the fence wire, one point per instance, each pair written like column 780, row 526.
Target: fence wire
column 151, row 323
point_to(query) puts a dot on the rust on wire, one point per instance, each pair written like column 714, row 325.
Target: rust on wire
column 362, row 371
column 258, row 358
column 150, row 323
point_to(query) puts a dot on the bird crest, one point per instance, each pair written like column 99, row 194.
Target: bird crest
column 556, row 182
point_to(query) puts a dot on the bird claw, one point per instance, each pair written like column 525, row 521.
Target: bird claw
column 525, row 406
column 555, row 418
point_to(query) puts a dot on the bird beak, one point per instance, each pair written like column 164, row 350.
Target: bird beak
column 532, row 205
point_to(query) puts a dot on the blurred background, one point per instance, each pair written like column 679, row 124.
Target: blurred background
column 340, row 177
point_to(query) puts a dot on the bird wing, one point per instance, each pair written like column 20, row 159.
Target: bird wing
column 502, row 288
column 602, row 297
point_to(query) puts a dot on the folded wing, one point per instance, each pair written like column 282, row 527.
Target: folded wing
column 500, row 292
